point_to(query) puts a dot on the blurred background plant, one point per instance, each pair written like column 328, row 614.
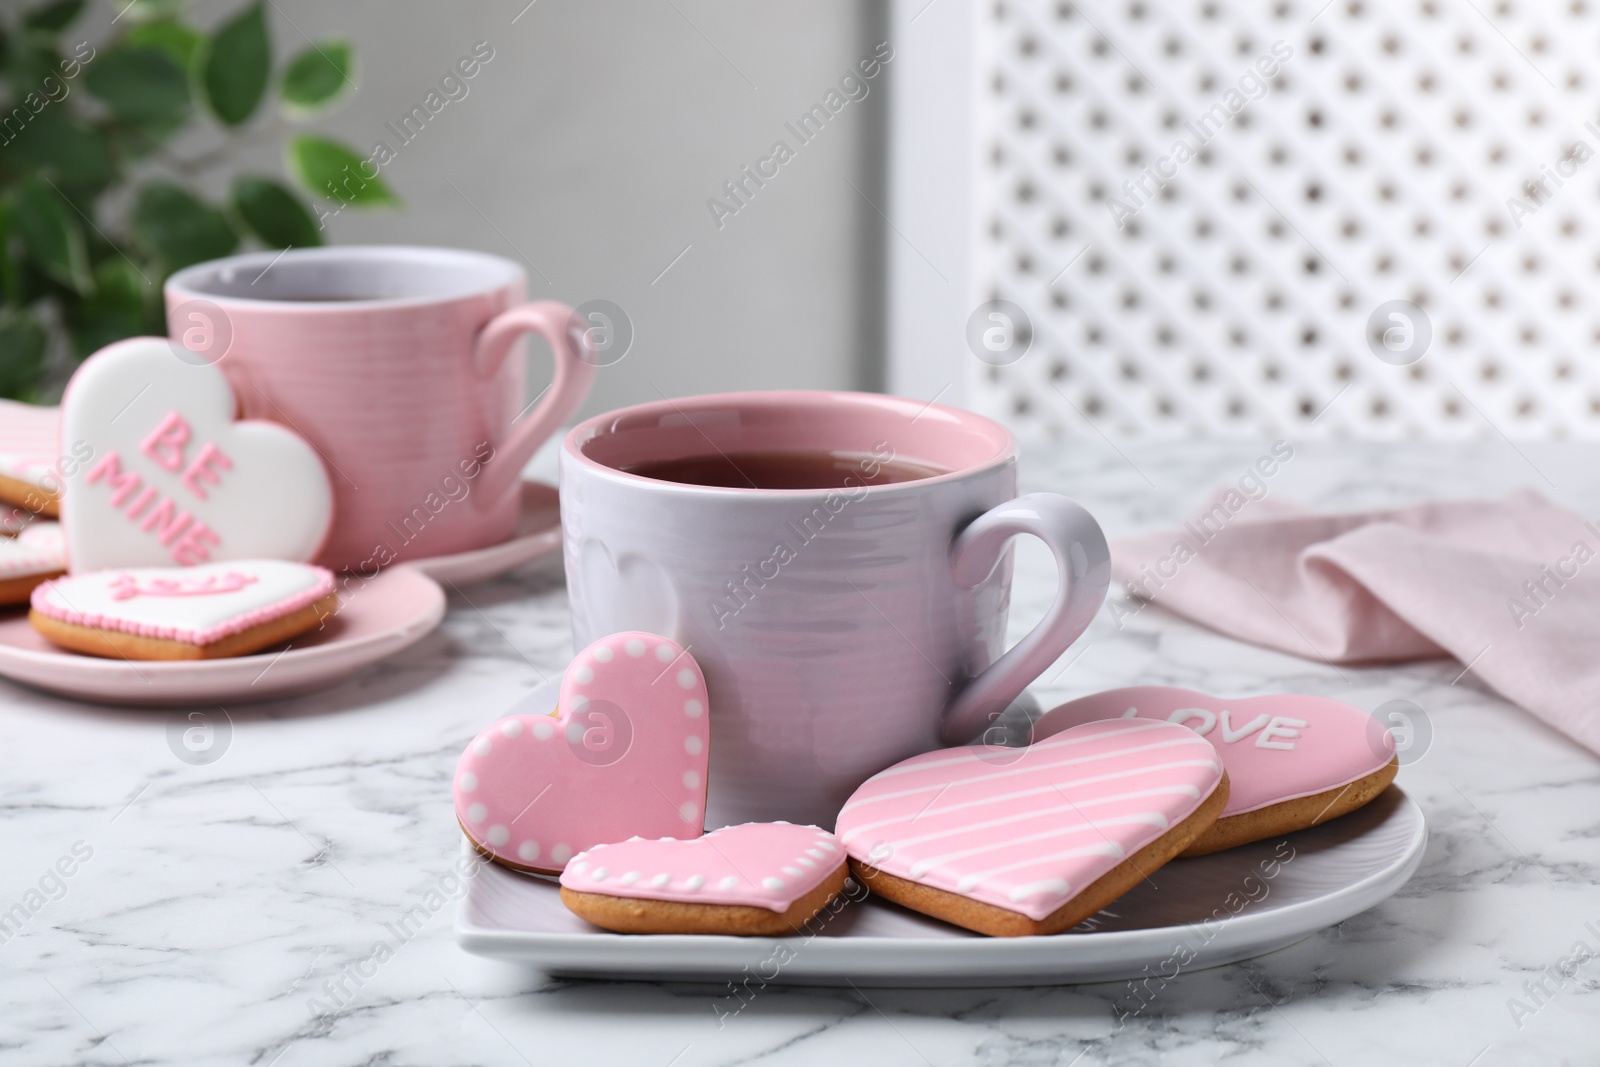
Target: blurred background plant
column 102, row 187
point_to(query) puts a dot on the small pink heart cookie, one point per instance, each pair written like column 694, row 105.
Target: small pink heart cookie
column 1293, row 761
column 33, row 556
column 755, row 879
column 1033, row 840
column 623, row 755
column 172, row 613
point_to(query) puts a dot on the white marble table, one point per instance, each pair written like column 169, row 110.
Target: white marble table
column 217, row 900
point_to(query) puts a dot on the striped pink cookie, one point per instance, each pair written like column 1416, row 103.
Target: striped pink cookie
column 624, row 754
column 1034, row 840
column 1293, row 761
column 757, row 878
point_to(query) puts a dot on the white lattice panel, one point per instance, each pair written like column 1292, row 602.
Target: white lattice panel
column 1377, row 167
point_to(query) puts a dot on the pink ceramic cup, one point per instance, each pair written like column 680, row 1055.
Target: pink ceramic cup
column 392, row 363
column 839, row 631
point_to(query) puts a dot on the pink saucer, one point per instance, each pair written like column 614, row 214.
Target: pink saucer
column 538, row 535
column 389, row 614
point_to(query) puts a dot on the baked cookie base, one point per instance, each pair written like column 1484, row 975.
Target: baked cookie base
column 631, row 915
column 20, row 494
column 1001, row 922
column 115, row 644
column 1299, row 814
column 18, row 590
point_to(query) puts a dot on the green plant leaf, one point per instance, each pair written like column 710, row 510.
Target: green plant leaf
column 140, row 85
column 52, row 234
column 334, row 172
column 237, row 64
column 178, row 229
column 54, row 16
column 274, row 214
column 10, row 282
column 150, row 10
column 30, row 58
column 176, row 39
column 23, row 344
column 117, row 309
column 56, row 143
column 318, row 76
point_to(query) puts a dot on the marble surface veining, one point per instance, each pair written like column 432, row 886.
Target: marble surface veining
column 211, row 908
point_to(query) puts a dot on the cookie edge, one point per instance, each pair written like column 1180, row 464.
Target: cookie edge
column 995, row 921
column 1288, row 816
column 26, row 495
column 641, row 915
column 118, row 644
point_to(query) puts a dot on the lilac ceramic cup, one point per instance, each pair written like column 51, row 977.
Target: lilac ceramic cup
column 392, row 362
column 840, row 630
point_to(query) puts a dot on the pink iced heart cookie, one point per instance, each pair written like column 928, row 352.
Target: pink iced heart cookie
column 1292, row 761
column 623, row 755
column 34, row 555
column 759, row 878
column 178, row 613
column 28, row 440
column 171, row 478
column 1033, row 840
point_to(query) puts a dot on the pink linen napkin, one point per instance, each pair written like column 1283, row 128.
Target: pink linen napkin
column 1510, row 588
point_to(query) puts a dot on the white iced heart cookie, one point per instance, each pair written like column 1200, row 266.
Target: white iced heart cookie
column 202, row 612
column 28, row 559
column 173, row 479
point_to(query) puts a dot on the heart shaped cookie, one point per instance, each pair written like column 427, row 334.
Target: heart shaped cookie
column 623, row 755
column 1292, row 761
column 173, row 479
column 757, row 878
column 1033, row 840
column 172, row 613
column 29, row 436
column 28, row 559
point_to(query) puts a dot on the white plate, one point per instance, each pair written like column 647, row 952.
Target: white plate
column 538, row 535
column 389, row 614
column 1268, row 895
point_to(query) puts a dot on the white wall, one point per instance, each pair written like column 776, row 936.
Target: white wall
column 590, row 144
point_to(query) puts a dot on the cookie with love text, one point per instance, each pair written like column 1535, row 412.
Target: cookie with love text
column 172, row 478
column 184, row 613
column 765, row 879
column 33, row 556
column 1018, row 841
column 623, row 755
column 1292, row 761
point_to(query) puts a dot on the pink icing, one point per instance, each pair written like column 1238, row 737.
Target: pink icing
column 166, row 473
column 28, row 435
column 38, row 550
column 1028, row 829
column 188, row 539
column 623, row 755
column 758, row 864
column 1275, row 748
column 126, row 586
column 272, row 589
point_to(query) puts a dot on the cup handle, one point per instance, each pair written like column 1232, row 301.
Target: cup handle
column 574, row 375
column 1083, row 567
